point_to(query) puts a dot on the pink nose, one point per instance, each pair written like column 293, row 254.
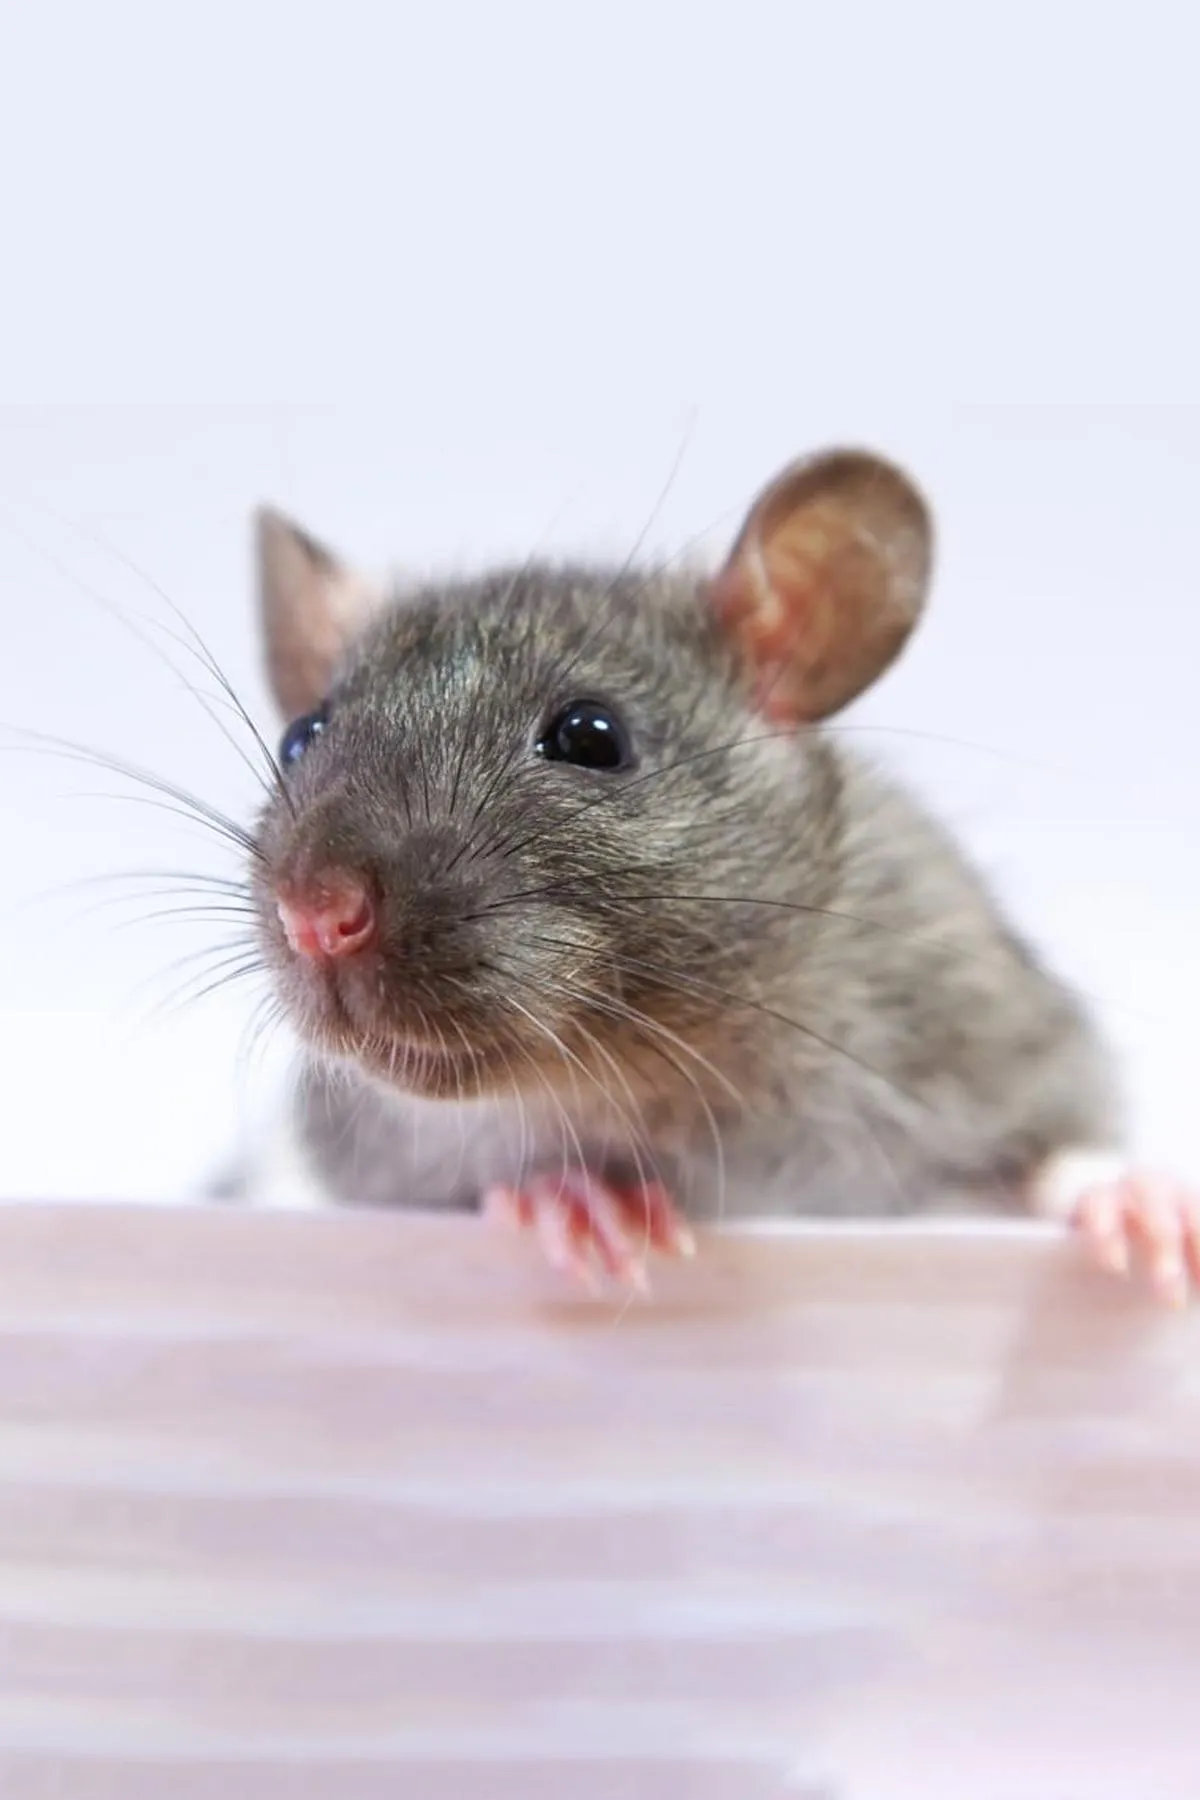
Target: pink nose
column 338, row 919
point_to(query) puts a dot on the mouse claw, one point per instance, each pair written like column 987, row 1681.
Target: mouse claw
column 589, row 1227
column 1119, row 1212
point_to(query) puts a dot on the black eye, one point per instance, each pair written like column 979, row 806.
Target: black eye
column 300, row 734
column 588, row 735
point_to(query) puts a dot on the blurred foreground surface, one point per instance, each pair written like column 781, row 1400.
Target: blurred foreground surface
column 346, row 1508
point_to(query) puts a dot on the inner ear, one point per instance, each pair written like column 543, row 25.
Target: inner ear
column 312, row 608
column 826, row 582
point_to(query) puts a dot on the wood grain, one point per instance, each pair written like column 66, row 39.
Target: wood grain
column 355, row 1507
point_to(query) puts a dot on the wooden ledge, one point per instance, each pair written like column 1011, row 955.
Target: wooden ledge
column 301, row 1507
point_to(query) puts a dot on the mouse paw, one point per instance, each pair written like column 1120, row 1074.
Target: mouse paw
column 1118, row 1210
column 588, row 1226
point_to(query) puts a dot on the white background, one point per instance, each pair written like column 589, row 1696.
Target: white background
column 448, row 281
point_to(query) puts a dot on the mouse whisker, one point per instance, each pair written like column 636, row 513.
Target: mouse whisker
column 550, row 893
column 196, row 915
column 193, row 644
column 670, row 979
column 655, row 1029
column 221, row 830
column 635, row 1129
column 617, row 1007
column 690, row 1076
column 610, row 598
column 695, row 986
column 638, row 1140
column 385, row 788
column 189, row 803
column 265, row 1019
column 568, row 1136
column 203, row 902
column 207, row 905
column 423, row 770
column 225, row 964
column 571, row 1061
column 467, row 739
column 241, row 944
column 640, row 895
column 187, row 881
column 651, row 1030
column 459, row 1094
column 605, row 798
column 252, row 966
column 522, row 1111
column 837, row 728
column 479, row 819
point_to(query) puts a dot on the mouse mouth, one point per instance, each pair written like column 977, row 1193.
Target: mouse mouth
column 420, row 1068
column 416, row 1047
column 443, row 1025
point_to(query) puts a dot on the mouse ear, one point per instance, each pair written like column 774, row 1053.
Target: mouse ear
column 312, row 608
column 826, row 581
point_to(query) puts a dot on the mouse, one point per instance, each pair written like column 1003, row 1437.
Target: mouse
column 586, row 916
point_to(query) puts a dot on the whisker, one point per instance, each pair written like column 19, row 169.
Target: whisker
column 552, row 891
column 619, row 1008
column 835, row 727
column 479, row 818
column 192, row 805
column 606, row 796
column 208, row 915
column 215, row 828
column 704, row 989
column 465, row 742
column 193, row 643
column 653, row 1030
column 566, row 1129
column 636, row 1138
column 569, row 1058
column 266, row 1017
column 423, row 767
column 188, row 880
column 253, row 966
column 206, row 959
column 928, row 939
column 224, row 973
column 132, row 625
column 608, row 600
column 632, row 1131
column 459, row 1096
column 205, row 905
column 235, row 946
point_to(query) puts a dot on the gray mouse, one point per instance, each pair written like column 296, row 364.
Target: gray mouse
column 584, row 917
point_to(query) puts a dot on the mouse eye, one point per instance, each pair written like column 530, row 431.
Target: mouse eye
column 300, row 734
column 588, row 735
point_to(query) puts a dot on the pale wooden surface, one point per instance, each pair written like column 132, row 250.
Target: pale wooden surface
column 360, row 1508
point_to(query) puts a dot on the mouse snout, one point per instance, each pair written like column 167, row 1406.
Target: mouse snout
column 334, row 918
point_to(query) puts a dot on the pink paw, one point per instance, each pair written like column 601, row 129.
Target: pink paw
column 1118, row 1211
column 586, row 1225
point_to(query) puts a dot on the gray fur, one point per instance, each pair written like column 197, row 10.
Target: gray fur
column 840, row 1020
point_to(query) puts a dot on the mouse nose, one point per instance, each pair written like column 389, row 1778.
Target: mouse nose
column 337, row 919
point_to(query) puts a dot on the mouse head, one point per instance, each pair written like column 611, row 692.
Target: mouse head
column 516, row 815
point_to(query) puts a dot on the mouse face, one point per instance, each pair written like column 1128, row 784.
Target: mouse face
column 525, row 824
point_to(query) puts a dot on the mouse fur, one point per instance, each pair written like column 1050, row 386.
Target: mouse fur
column 751, row 965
